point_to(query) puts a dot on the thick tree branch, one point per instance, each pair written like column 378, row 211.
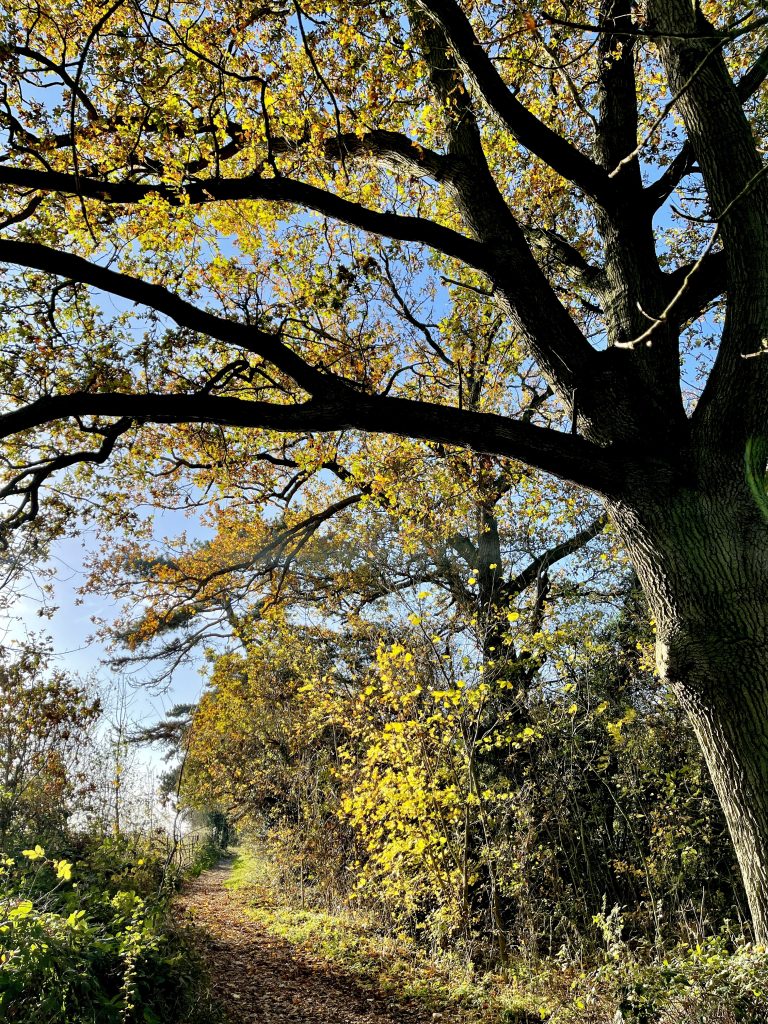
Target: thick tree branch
column 553, row 149
column 633, row 277
column 339, row 403
column 659, row 191
column 617, row 96
column 393, row 150
column 560, row 251
column 733, row 406
column 280, row 189
column 566, row 455
column 752, row 79
column 553, row 338
column 252, row 339
column 696, row 291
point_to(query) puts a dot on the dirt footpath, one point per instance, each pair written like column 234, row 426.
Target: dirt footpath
column 262, row 979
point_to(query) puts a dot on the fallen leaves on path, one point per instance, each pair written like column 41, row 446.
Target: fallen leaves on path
column 262, row 979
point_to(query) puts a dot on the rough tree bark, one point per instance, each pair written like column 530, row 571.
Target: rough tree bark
column 702, row 557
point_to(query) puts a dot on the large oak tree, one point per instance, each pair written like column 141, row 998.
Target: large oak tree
column 281, row 190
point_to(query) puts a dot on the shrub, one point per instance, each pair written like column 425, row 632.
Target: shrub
column 719, row 980
column 73, row 951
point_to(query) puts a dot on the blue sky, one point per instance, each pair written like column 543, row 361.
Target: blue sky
column 71, row 630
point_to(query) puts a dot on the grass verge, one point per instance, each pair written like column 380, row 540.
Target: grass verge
column 393, row 967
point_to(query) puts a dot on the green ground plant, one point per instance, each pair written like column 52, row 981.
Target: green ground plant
column 92, row 940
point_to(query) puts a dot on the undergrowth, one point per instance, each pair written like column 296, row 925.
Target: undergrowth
column 723, row 980
column 88, row 938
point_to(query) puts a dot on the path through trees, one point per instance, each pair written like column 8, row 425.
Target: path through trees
column 261, row 978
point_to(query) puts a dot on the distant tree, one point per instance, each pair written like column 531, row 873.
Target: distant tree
column 45, row 718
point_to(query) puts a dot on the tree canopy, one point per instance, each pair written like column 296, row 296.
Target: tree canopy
column 451, row 162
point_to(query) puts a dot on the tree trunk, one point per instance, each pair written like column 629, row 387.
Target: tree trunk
column 702, row 558
column 732, row 728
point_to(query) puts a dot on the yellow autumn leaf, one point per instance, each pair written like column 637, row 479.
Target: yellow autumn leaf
column 63, row 869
